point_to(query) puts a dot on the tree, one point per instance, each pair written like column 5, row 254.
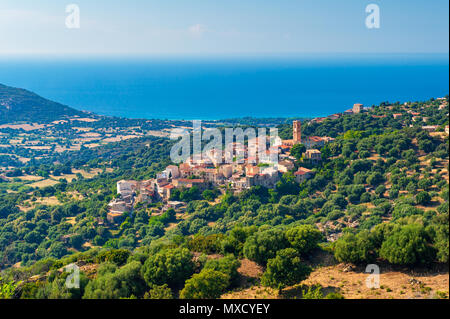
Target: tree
column 227, row 265
column 210, row 195
column 423, row 198
column 355, row 249
column 57, row 250
column 234, row 243
column 114, row 284
column 304, row 238
column 159, row 292
column 441, row 240
column 7, row 289
column 169, row 266
column 117, row 256
column 264, row 245
column 288, row 185
column 208, row 284
column 297, row 151
column 375, row 179
column 285, row 269
column 408, row 245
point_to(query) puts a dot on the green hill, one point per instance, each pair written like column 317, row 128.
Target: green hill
column 22, row 105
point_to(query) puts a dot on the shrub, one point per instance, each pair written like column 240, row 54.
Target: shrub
column 355, row 248
column 285, row 269
column 423, row 198
column 117, row 256
column 264, row 245
column 169, row 266
column 227, row 265
column 304, row 238
column 159, row 292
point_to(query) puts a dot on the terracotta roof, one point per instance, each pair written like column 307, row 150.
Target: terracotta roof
column 302, row 171
column 316, row 138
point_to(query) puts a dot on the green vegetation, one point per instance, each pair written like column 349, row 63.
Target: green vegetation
column 379, row 194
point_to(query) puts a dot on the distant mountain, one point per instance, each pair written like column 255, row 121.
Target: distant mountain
column 22, row 105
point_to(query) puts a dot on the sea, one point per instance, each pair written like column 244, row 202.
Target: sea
column 223, row 87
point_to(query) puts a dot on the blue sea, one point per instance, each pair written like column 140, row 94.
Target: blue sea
column 228, row 87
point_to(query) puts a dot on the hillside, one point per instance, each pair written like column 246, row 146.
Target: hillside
column 378, row 196
column 22, row 105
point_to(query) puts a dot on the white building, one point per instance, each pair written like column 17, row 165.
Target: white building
column 124, row 188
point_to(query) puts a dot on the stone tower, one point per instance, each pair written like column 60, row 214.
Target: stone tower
column 297, row 130
column 357, row 108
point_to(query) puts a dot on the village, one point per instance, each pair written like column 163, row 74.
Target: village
column 208, row 173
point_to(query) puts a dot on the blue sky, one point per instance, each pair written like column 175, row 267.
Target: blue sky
column 221, row 27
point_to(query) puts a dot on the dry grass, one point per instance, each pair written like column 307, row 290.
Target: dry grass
column 25, row 127
column 44, row 183
column 394, row 284
column 30, row 178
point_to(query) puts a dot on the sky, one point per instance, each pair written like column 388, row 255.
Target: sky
column 222, row 27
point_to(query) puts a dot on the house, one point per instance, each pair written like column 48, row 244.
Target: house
column 209, row 174
column 185, row 170
column 430, row 128
column 267, row 178
column 303, row 174
column 226, row 170
column 319, row 119
column 240, row 183
column 287, row 143
column 397, row 115
column 285, row 166
column 146, row 194
column 251, row 170
column 166, row 191
column 120, row 205
column 315, row 156
column 189, row 183
column 446, row 129
column 124, row 187
column 348, row 112
column 334, row 116
column 172, row 171
column 314, row 142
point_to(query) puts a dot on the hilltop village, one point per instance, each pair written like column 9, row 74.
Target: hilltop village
column 238, row 176
column 354, row 184
column 208, row 174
